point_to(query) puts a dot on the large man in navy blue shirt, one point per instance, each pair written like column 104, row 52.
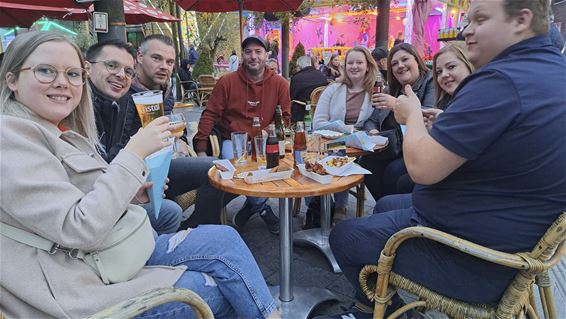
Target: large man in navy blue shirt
column 493, row 168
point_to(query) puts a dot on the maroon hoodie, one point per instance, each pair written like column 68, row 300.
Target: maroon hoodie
column 235, row 101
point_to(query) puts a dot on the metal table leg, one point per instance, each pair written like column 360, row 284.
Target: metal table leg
column 318, row 237
column 293, row 302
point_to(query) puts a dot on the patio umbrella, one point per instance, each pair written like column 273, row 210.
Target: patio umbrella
column 421, row 10
column 22, row 13
column 139, row 13
column 240, row 5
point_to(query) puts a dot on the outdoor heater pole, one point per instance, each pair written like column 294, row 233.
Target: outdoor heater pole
column 382, row 23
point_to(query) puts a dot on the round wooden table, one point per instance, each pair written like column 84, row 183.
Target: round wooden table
column 298, row 302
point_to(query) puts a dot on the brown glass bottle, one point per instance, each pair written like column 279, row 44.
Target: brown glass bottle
column 272, row 148
column 378, row 86
column 280, row 130
column 299, row 144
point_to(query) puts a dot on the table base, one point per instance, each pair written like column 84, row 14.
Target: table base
column 314, row 237
column 305, row 299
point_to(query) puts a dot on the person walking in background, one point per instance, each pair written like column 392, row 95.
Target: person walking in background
column 253, row 91
column 233, row 62
column 193, row 56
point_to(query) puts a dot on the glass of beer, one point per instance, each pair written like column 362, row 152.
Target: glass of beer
column 149, row 105
column 174, row 120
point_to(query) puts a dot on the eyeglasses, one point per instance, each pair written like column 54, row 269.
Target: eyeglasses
column 46, row 74
column 115, row 67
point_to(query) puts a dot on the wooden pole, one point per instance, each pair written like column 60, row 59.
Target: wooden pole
column 382, row 23
column 285, row 47
column 116, row 19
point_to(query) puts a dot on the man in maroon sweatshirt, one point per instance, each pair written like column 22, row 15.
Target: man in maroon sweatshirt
column 253, row 90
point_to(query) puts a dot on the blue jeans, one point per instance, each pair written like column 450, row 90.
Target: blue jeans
column 359, row 241
column 220, row 268
column 169, row 217
column 257, row 203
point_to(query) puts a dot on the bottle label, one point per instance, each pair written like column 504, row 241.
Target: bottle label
column 299, row 156
column 308, row 127
column 282, row 148
column 272, row 148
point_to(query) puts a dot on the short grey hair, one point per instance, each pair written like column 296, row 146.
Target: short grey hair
column 304, row 62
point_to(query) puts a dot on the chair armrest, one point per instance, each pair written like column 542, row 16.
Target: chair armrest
column 465, row 246
column 155, row 297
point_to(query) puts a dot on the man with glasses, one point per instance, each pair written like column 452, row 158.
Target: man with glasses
column 111, row 70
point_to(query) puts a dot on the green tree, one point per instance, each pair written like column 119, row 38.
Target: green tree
column 204, row 62
column 218, row 32
column 299, row 52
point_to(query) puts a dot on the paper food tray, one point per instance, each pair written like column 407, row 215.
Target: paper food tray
column 265, row 175
column 231, row 169
column 323, row 179
column 335, row 170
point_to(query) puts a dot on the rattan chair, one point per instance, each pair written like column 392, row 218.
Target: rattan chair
column 138, row 305
column 518, row 299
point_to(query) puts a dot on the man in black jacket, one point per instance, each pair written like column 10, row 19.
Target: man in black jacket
column 111, row 70
column 302, row 85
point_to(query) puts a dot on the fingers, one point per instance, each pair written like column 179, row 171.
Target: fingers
column 409, row 90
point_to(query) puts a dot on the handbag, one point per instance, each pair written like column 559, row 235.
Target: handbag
column 120, row 256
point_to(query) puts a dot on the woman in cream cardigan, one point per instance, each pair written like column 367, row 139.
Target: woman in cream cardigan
column 55, row 185
column 348, row 99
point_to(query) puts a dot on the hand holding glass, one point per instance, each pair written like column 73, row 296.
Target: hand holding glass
column 177, row 125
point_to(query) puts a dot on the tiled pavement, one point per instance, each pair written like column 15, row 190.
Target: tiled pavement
column 310, row 267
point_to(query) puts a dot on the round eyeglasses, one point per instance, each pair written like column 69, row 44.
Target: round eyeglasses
column 114, row 67
column 46, row 74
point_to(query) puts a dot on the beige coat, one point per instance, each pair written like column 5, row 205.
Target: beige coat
column 55, row 185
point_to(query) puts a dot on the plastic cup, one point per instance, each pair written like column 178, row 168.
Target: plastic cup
column 149, row 105
column 240, row 147
column 260, row 143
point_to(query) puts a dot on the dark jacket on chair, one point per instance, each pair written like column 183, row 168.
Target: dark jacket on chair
column 302, row 85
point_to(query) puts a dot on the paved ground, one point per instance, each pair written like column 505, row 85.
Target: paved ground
column 311, row 267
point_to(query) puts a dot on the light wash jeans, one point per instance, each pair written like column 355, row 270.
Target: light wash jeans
column 257, row 203
column 169, row 217
column 220, row 268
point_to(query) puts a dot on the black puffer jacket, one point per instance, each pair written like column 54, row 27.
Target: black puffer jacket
column 110, row 116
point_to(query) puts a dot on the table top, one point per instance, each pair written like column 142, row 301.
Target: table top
column 296, row 186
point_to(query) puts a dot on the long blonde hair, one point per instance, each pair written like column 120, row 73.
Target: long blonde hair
column 458, row 49
column 81, row 119
column 371, row 73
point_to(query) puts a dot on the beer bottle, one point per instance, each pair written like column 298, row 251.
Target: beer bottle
column 272, row 148
column 308, row 118
column 256, row 131
column 378, row 86
column 299, row 145
column 280, row 130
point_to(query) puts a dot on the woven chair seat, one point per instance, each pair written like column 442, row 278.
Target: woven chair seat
column 518, row 299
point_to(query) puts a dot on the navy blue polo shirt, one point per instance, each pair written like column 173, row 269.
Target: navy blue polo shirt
column 508, row 120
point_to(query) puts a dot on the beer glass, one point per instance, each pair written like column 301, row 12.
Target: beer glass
column 240, row 147
column 260, row 143
column 149, row 105
column 175, row 119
